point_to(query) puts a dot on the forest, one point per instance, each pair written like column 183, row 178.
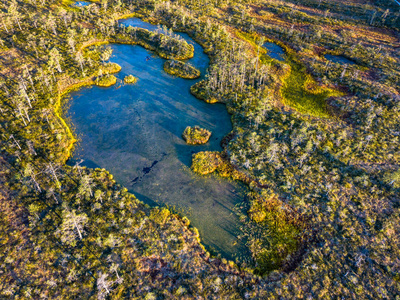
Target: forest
column 315, row 140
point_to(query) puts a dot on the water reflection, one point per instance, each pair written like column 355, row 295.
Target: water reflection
column 81, row 3
column 274, row 51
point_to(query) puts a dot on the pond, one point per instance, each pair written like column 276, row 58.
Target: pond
column 81, row 3
column 275, row 51
column 339, row 59
column 135, row 132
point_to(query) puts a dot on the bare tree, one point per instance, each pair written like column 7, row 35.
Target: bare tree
column 14, row 13
column 72, row 226
column 103, row 285
column 55, row 59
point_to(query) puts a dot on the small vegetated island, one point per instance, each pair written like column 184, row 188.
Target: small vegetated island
column 106, row 81
column 316, row 143
column 196, row 135
column 130, row 79
column 181, row 69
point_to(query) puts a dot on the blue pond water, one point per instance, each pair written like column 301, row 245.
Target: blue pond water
column 339, row 59
column 136, row 22
column 275, row 51
column 81, row 3
column 134, row 131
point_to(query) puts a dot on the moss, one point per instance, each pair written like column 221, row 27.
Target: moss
column 106, row 81
column 303, row 93
column 130, row 79
column 196, row 135
column 299, row 89
column 127, row 16
column 181, row 69
column 283, row 230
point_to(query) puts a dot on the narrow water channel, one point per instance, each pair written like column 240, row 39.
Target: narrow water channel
column 134, row 131
column 339, row 59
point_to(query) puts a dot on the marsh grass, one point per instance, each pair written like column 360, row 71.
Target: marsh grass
column 299, row 89
column 301, row 92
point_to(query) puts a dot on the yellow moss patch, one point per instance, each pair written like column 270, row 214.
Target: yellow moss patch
column 130, row 79
column 211, row 100
column 299, row 90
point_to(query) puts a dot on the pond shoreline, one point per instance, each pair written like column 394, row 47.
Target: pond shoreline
column 148, row 177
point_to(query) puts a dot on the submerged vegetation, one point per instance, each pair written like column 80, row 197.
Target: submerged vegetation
column 316, row 142
column 181, row 69
column 196, row 135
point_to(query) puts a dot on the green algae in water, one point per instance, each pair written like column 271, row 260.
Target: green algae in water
column 135, row 132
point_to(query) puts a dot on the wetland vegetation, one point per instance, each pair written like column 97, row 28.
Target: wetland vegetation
column 301, row 178
column 130, row 79
column 196, row 135
column 181, row 69
column 106, row 81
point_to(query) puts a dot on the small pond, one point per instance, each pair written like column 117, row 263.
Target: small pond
column 81, row 3
column 134, row 131
column 339, row 59
column 275, row 51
